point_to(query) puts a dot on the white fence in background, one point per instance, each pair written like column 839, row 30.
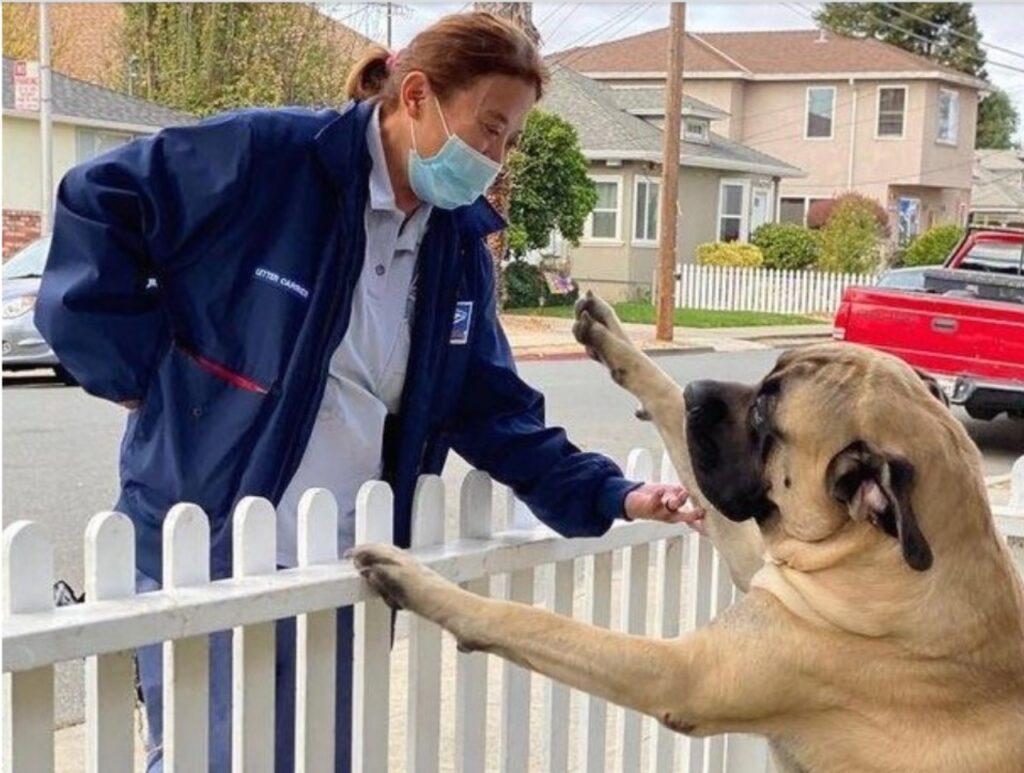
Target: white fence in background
column 690, row 587
column 724, row 288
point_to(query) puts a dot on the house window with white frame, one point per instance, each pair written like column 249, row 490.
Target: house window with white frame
column 645, row 211
column 821, row 107
column 90, row 143
column 892, row 109
column 949, row 116
column 732, row 211
column 695, row 130
column 603, row 223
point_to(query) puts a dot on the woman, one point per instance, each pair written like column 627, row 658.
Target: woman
column 289, row 299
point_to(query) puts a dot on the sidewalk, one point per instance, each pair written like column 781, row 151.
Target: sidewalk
column 536, row 338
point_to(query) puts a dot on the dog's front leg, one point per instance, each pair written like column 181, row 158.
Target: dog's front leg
column 599, row 330
column 718, row 679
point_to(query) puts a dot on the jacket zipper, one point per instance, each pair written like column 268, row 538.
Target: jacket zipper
column 225, row 374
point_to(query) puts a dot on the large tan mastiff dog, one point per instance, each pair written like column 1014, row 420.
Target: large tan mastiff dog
column 883, row 629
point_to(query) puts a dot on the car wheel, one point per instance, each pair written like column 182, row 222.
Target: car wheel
column 65, row 375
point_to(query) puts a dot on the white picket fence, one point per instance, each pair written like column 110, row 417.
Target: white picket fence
column 690, row 586
column 724, row 288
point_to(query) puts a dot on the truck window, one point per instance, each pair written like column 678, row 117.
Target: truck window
column 996, row 257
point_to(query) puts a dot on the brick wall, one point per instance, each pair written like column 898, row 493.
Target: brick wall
column 20, row 228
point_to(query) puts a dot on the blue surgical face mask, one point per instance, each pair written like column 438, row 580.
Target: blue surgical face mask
column 457, row 175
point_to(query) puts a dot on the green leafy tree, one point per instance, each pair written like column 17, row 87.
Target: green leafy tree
column 208, row 57
column 997, row 121
column 945, row 32
column 550, row 186
column 851, row 240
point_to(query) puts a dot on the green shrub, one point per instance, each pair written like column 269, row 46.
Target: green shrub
column 787, row 246
column 933, row 246
column 524, row 285
column 729, row 254
column 819, row 212
column 851, row 239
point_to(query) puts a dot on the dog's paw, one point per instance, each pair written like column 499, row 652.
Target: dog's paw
column 401, row 581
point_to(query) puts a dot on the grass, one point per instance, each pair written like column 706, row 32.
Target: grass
column 643, row 313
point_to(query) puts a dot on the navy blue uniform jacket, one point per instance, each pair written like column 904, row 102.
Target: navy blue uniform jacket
column 209, row 270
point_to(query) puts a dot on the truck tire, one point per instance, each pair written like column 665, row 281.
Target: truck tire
column 981, row 413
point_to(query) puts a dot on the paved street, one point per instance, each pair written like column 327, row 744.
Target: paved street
column 60, row 460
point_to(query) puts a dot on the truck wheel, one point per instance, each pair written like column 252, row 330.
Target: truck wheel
column 65, row 375
column 980, row 413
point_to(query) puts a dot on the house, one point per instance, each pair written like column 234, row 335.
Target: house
column 998, row 194
column 855, row 114
column 726, row 190
column 87, row 120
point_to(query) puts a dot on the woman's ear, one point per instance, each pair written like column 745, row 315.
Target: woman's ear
column 414, row 92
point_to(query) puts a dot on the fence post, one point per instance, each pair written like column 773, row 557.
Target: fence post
column 254, row 543
column 423, row 726
column 476, row 521
column 186, row 563
column 515, row 699
column 371, row 685
column 316, row 640
column 109, row 679
column 595, row 710
column 28, row 695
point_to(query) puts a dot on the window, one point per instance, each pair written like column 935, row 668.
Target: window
column 604, row 220
column 821, row 103
column 792, row 210
column 695, row 130
column 731, row 209
column 92, row 142
column 645, row 213
column 949, row 115
column 892, row 106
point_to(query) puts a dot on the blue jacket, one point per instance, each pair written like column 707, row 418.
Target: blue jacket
column 208, row 271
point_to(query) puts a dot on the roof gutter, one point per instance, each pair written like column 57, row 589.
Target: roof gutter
column 699, row 162
column 93, row 123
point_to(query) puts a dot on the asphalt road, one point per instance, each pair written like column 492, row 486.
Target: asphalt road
column 60, row 445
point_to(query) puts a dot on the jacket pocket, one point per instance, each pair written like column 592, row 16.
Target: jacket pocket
column 223, row 372
column 194, row 433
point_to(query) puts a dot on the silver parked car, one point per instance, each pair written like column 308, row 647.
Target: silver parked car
column 23, row 347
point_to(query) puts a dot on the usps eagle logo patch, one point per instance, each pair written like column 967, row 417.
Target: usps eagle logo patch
column 460, row 324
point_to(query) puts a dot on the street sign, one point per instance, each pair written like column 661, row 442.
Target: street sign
column 26, row 86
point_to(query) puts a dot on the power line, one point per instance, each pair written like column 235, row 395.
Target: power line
column 954, row 31
column 572, row 9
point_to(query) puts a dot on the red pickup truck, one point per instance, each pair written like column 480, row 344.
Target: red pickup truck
column 962, row 322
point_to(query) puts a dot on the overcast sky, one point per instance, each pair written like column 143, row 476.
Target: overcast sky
column 563, row 25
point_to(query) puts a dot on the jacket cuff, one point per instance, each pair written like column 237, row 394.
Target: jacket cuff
column 611, row 499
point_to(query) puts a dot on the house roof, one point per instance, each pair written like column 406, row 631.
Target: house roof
column 765, row 55
column 606, row 131
column 1000, row 160
column 650, row 100
column 75, row 99
column 992, row 191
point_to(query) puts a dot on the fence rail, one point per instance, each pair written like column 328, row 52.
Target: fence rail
column 724, row 288
column 664, row 570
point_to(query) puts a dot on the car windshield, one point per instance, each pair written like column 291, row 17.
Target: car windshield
column 1000, row 257
column 29, row 262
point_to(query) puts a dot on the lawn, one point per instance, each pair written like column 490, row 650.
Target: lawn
column 643, row 313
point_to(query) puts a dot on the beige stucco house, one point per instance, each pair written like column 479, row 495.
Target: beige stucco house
column 726, row 189
column 87, row 120
column 854, row 114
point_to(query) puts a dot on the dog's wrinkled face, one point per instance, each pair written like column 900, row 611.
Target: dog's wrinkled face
column 826, row 437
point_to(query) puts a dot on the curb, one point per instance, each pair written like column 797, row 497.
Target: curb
column 660, row 351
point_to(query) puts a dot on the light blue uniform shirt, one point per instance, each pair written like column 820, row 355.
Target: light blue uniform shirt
column 367, row 371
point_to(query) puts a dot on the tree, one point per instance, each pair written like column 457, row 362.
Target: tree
column 949, row 33
column 549, row 184
column 997, row 121
column 208, row 57
column 21, row 34
column 521, row 15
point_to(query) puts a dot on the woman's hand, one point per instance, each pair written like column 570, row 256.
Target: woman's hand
column 663, row 502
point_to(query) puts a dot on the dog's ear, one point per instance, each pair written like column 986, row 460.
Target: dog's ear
column 933, row 387
column 876, row 487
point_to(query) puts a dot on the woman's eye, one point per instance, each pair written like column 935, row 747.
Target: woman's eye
column 493, row 131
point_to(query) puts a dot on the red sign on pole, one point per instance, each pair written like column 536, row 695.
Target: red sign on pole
column 26, row 86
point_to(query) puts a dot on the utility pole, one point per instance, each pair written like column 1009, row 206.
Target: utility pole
column 670, row 172
column 45, row 121
column 390, row 8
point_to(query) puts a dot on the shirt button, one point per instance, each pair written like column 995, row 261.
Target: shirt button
column 380, row 269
